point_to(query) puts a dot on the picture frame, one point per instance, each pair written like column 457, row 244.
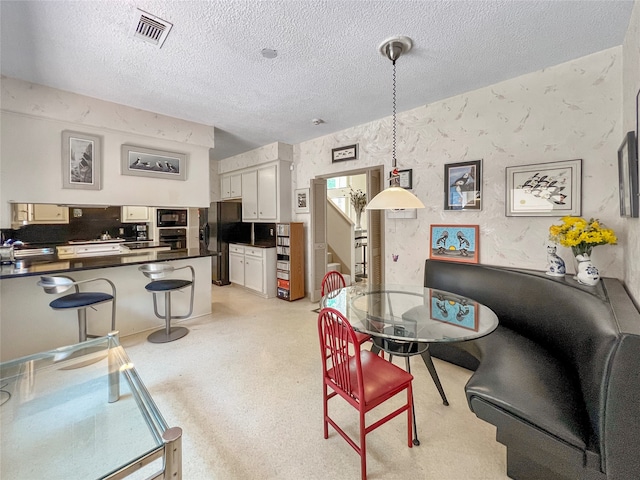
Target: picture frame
column 149, row 162
column 341, row 154
column 552, row 189
column 405, row 178
column 628, row 176
column 301, row 200
column 81, row 160
column 455, row 243
column 463, row 185
column 458, row 311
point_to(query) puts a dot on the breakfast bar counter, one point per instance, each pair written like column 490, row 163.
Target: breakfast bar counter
column 54, row 264
column 28, row 325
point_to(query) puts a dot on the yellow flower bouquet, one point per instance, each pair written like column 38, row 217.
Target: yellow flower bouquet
column 580, row 235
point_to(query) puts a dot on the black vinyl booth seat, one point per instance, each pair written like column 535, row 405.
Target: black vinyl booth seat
column 156, row 272
column 559, row 377
column 79, row 301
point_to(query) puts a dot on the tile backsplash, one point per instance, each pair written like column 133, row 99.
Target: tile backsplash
column 84, row 224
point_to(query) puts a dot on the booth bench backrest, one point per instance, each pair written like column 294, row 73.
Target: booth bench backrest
column 572, row 324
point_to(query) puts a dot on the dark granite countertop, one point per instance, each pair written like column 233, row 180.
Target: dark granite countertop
column 257, row 244
column 51, row 264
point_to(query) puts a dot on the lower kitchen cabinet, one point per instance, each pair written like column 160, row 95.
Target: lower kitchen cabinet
column 253, row 268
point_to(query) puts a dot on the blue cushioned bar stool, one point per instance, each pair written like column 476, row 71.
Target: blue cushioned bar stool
column 79, row 301
column 157, row 272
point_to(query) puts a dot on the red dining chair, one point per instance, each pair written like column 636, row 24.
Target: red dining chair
column 363, row 379
column 333, row 280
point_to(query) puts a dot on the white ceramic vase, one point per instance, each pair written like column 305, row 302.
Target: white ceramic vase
column 587, row 273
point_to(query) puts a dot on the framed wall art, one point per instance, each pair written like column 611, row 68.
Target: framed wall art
column 147, row 162
column 405, row 179
column 544, row 189
column 301, row 200
column 463, row 185
column 455, row 243
column 341, row 154
column 81, row 160
column 628, row 176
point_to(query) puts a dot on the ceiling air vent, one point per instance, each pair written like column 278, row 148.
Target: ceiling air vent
column 150, row 28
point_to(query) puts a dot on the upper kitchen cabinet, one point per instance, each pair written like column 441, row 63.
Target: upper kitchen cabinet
column 134, row 214
column 38, row 213
column 231, row 186
column 266, row 193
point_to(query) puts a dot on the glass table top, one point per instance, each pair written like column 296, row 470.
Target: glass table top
column 412, row 313
column 63, row 415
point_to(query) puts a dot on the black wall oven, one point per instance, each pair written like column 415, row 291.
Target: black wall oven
column 176, row 237
column 172, row 217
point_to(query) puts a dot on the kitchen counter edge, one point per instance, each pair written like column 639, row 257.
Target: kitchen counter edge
column 52, row 264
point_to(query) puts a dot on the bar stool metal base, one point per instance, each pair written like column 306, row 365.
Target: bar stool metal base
column 161, row 336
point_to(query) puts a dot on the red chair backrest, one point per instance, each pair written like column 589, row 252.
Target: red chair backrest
column 333, row 280
column 336, row 333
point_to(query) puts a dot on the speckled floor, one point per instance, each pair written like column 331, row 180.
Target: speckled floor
column 245, row 387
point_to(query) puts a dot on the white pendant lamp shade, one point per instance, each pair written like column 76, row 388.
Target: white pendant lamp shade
column 394, row 198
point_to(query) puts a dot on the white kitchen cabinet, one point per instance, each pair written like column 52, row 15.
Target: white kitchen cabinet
column 250, row 195
column 134, row 214
column 231, row 186
column 45, row 213
column 253, row 273
column 266, row 193
column 253, row 268
column 38, row 213
column 236, row 264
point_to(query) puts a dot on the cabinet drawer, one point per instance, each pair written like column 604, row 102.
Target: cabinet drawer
column 236, row 249
column 97, row 248
column 254, row 252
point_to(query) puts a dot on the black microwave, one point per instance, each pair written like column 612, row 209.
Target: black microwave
column 172, row 217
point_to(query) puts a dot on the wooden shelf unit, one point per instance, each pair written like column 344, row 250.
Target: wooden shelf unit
column 290, row 260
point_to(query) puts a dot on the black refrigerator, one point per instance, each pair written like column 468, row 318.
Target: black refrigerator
column 220, row 225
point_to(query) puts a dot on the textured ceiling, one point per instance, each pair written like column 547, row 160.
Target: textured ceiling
column 210, row 69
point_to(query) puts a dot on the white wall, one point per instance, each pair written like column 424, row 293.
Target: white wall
column 631, row 87
column 32, row 119
column 268, row 153
column 561, row 113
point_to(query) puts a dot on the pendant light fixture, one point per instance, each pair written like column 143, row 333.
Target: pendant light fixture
column 394, row 197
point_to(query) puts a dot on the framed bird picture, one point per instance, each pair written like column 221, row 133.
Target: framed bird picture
column 551, row 189
column 455, row 243
column 463, row 185
column 147, row 162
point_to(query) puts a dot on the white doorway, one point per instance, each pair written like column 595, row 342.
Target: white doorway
column 369, row 180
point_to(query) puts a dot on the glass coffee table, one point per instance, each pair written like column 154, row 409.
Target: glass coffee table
column 82, row 412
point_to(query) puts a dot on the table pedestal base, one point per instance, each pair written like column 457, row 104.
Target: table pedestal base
column 406, row 350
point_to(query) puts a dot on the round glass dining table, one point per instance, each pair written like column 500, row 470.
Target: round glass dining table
column 403, row 320
column 408, row 313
